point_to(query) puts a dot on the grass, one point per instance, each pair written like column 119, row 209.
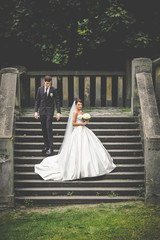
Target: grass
column 122, row 221
column 127, row 109
column 100, row 111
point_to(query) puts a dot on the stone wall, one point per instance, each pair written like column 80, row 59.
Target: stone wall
column 7, row 107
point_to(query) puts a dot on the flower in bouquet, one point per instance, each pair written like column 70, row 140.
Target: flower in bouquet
column 86, row 116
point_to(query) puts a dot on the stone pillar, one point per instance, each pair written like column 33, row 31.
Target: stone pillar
column 54, row 82
column 109, row 92
column 76, row 86
column 32, row 90
column 6, row 173
column 128, row 84
column 42, row 81
column 18, row 96
column 7, row 107
column 21, row 88
column 98, row 92
column 65, row 91
column 120, row 92
column 152, row 166
column 139, row 65
column 87, row 91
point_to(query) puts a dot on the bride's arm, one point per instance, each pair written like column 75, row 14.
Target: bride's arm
column 75, row 114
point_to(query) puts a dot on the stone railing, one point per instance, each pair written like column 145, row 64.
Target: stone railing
column 156, row 75
column 94, row 88
column 8, row 85
column 20, row 97
column 144, row 103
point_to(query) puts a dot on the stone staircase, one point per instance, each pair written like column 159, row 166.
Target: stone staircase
column 119, row 135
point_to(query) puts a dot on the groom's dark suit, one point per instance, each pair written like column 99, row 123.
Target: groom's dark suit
column 45, row 105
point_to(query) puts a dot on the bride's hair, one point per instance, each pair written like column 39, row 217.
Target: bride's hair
column 78, row 100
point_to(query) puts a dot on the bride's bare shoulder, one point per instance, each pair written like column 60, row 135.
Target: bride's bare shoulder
column 75, row 112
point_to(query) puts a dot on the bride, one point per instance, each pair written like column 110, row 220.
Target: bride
column 81, row 155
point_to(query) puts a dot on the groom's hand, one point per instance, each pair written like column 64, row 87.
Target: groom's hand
column 36, row 115
column 58, row 116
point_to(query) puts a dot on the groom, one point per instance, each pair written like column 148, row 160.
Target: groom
column 46, row 96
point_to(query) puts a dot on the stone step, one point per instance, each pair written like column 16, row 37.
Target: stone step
column 107, row 145
column 91, row 125
column 77, row 191
column 39, row 138
column 119, row 135
column 93, row 119
column 35, row 152
column 59, row 200
column 119, row 168
column 99, row 182
column 57, row 132
column 113, row 175
column 117, row 160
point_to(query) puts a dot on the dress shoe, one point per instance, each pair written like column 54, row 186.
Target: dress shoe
column 49, row 152
column 44, row 150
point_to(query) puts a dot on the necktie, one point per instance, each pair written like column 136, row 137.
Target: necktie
column 46, row 90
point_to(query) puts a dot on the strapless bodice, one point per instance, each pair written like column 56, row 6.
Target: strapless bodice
column 79, row 118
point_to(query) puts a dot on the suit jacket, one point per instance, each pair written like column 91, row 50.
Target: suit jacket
column 45, row 104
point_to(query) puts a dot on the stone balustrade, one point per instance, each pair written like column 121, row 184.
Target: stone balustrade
column 144, row 103
column 94, row 88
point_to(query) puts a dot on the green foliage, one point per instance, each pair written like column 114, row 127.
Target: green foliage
column 140, row 40
column 69, row 194
column 115, row 19
column 54, row 193
column 141, row 191
column 62, row 31
column 28, row 203
column 112, row 194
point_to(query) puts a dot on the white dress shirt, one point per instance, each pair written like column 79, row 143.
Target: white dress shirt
column 47, row 90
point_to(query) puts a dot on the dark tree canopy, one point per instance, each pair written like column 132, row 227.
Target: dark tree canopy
column 77, row 33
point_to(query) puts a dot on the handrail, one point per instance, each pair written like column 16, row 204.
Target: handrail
column 149, row 111
column 156, row 74
column 76, row 73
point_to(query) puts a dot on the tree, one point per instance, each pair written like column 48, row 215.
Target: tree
column 63, row 32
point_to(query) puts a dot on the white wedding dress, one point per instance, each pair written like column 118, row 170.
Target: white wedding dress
column 83, row 155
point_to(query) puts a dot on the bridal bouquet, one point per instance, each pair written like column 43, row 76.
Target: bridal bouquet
column 86, row 116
